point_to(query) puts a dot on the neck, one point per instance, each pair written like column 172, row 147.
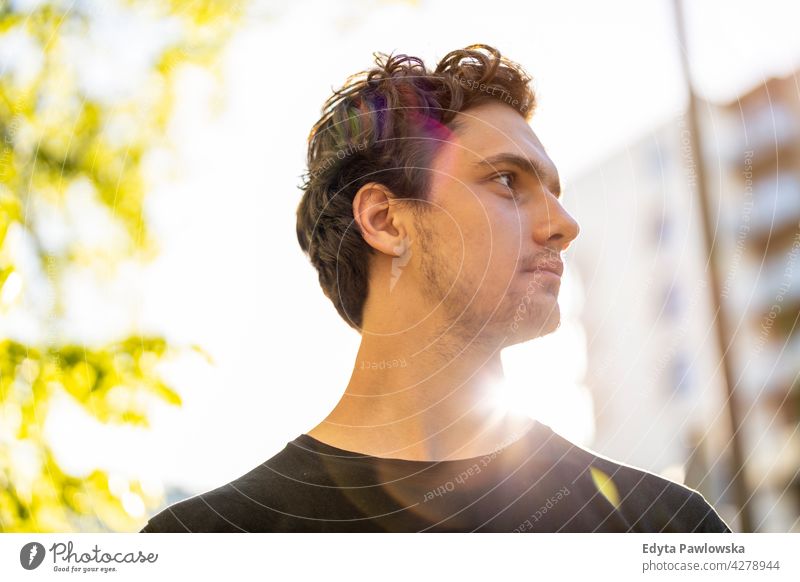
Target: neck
column 421, row 394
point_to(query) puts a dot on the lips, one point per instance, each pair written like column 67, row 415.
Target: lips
column 555, row 267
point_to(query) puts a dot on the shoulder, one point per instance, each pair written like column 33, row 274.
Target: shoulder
column 647, row 501
column 652, row 503
column 252, row 502
column 223, row 509
column 212, row 511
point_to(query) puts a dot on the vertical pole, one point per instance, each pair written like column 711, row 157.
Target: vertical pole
column 722, row 326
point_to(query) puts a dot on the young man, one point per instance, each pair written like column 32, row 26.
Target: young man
column 432, row 214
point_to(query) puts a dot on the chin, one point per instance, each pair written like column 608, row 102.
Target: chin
column 526, row 329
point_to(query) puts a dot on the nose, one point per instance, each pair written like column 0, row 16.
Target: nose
column 554, row 227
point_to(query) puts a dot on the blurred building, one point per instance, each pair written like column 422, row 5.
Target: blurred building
column 653, row 354
column 759, row 193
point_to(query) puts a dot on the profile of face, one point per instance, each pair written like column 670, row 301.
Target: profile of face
column 484, row 253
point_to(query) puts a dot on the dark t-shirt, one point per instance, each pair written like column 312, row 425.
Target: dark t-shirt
column 540, row 482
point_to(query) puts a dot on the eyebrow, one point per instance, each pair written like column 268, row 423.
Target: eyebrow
column 531, row 166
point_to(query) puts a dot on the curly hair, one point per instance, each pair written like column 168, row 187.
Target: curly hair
column 386, row 125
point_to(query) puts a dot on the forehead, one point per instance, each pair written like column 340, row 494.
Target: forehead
column 493, row 128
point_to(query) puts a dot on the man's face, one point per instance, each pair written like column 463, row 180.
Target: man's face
column 494, row 222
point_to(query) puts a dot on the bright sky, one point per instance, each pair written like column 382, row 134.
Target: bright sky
column 231, row 276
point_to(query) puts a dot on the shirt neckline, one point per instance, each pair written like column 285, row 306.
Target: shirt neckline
column 316, row 446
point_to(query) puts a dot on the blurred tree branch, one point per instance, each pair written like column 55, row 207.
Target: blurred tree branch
column 62, row 136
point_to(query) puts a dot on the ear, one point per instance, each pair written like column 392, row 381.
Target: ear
column 380, row 218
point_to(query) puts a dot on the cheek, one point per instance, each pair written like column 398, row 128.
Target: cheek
column 481, row 237
column 503, row 241
column 495, row 253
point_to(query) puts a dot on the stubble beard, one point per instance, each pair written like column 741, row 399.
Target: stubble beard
column 463, row 320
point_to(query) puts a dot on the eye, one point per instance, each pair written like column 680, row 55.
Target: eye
column 507, row 179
